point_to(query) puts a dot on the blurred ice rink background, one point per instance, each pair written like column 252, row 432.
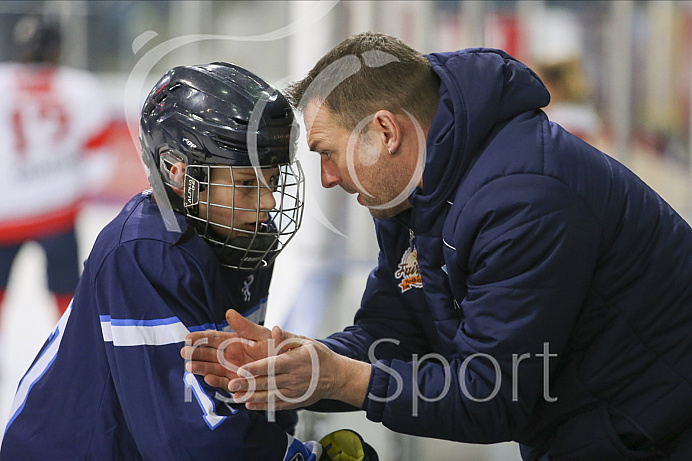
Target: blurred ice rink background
column 635, row 61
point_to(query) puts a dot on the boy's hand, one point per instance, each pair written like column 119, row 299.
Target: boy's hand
column 217, row 354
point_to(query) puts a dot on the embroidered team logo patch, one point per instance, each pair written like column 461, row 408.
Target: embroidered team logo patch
column 408, row 271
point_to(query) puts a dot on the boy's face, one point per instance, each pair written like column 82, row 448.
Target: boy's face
column 238, row 200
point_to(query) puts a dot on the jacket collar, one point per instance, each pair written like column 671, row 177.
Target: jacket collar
column 479, row 89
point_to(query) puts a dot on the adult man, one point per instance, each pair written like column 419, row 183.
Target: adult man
column 109, row 383
column 528, row 287
column 53, row 121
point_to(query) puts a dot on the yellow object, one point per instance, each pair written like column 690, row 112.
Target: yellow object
column 343, row 445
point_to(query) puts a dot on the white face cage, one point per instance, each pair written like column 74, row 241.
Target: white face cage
column 249, row 215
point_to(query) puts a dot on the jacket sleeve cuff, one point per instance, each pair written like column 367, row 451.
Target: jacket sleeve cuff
column 376, row 396
column 331, row 406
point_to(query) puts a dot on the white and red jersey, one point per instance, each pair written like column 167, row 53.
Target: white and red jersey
column 51, row 118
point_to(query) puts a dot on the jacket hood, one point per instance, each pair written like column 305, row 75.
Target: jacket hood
column 479, row 89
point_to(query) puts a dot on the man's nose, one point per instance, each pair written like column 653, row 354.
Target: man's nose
column 330, row 178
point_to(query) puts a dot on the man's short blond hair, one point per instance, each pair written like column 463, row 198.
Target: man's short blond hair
column 366, row 73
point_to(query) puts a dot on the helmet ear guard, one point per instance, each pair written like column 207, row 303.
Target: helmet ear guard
column 174, row 172
column 169, row 169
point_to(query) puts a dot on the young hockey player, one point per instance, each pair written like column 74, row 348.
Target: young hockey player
column 109, row 383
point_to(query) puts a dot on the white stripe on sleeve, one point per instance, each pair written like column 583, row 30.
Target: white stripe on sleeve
column 125, row 332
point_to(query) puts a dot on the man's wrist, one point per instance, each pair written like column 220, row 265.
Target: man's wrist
column 353, row 385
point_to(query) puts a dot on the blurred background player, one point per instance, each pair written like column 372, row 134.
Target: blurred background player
column 570, row 104
column 52, row 122
column 227, row 196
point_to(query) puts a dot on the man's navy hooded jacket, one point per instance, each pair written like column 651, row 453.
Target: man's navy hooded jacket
column 544, row 289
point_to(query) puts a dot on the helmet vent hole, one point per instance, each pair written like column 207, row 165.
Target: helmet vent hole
column 240, row 121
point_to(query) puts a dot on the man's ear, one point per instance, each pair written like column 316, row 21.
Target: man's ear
column 176, row 177
column 389, row 130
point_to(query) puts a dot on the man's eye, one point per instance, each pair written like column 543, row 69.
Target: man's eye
column 247, row 182
column 328, row 155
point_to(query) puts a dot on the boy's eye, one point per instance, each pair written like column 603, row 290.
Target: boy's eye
column 274, row 182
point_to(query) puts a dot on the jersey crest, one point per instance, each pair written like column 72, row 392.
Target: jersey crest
column 408, row 271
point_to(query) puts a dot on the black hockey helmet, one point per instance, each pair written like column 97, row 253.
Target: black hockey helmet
column 223, row 116
column 36, row 39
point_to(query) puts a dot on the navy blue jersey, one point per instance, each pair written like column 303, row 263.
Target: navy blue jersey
column 110, row 384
